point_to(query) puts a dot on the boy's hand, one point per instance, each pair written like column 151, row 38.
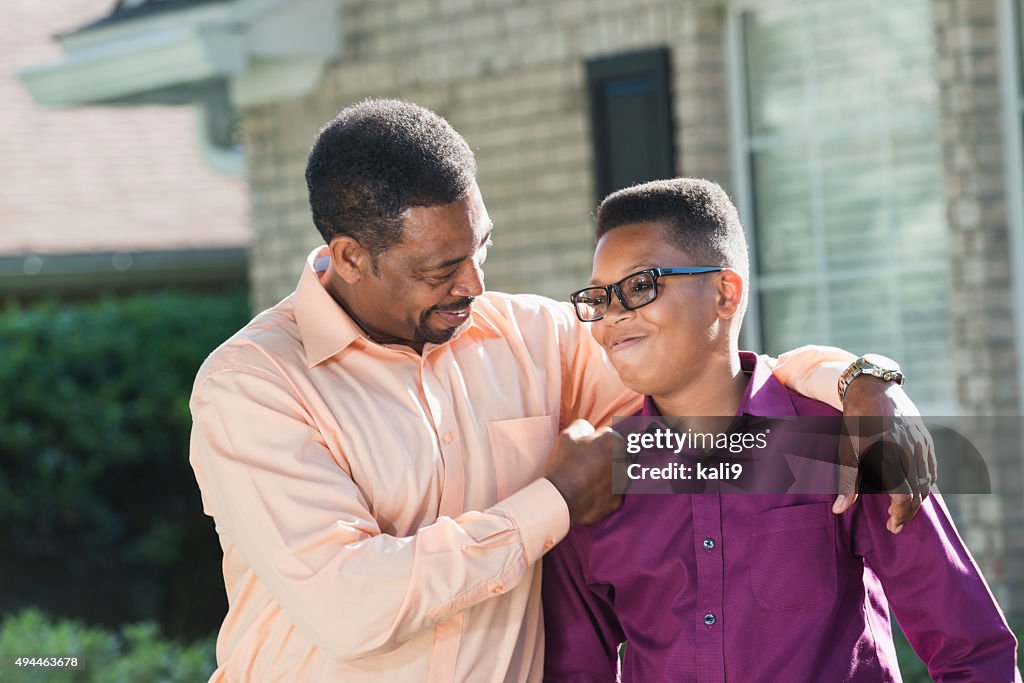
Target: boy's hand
column 908, row 452
column 580, row 467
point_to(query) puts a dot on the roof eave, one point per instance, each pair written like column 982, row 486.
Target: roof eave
column 162, row 57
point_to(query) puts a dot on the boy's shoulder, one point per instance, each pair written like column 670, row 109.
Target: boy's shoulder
column 767, row 395
column 806, row 406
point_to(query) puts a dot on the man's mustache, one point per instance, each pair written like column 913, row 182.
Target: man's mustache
column 458, row 305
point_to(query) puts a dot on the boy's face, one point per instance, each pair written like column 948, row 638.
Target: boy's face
column 658, row 347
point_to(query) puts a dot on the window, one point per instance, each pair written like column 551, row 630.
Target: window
column 841, row 182
column 631, row 119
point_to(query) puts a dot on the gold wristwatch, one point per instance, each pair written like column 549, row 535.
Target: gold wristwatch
column 873, row 364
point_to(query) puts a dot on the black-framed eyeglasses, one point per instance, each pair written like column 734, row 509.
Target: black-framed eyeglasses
column 633, row 291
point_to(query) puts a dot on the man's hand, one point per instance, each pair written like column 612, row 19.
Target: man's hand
column 909, row 451
column 580, row 467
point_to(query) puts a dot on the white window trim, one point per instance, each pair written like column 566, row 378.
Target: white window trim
column 739, row 161
column 1013, row 159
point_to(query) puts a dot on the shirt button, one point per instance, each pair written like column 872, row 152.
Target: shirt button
column 709, row 619
column 448, row 438
column 709, row 543
column 497, row 589
column 549, row 544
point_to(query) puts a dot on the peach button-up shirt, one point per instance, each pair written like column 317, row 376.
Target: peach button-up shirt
column 382, row 512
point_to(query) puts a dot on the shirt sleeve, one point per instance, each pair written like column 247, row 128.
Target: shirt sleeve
column 582, row 634
column 293, row 511
column 937, row 593
column 813, row 371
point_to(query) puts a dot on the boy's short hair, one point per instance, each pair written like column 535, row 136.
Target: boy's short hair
column 699, row 215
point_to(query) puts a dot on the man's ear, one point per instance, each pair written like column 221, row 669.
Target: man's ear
column 349, row 259
column 730, row 293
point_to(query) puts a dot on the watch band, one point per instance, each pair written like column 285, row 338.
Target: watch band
column 865, row 366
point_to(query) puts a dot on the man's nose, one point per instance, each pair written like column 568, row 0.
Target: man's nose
column 470, row 281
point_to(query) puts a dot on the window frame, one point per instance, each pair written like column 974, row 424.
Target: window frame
column 742, row 148
column 1009, row 15
column 599, row 71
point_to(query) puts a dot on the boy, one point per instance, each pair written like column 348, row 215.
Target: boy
column 712, row 588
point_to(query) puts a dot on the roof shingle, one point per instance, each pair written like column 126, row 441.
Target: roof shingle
column 101, row 178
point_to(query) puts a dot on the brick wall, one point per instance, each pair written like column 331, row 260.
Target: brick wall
column 981, row 293
column 510, row 77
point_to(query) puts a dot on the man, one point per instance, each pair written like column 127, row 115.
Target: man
column 373, row 449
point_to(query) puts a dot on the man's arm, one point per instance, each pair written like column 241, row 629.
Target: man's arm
column 582, row 634
column 814, row 371
column 591, row 389
column 295, row 514
column 938, row 594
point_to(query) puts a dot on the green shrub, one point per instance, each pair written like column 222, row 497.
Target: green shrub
column 912, row 668
column 135, row 654
column 100, row 516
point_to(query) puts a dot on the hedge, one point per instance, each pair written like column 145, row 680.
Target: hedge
column 135, row 652
column 100, row 516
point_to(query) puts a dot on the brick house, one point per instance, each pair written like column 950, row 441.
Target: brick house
column 874, row 150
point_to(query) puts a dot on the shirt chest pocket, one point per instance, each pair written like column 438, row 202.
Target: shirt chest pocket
column 520, row 450
column 793, row 557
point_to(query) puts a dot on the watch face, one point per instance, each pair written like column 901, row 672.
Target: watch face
column 883, row 362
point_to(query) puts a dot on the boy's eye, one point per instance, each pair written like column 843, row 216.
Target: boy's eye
column 640, row 285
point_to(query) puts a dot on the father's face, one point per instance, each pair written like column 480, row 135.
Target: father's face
column 429, row 279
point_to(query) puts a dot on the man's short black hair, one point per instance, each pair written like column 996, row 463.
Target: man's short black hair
column 699, row 215
column 378, row 158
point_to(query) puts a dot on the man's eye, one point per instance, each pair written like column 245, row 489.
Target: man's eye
column 441, row 279
column 591, row 300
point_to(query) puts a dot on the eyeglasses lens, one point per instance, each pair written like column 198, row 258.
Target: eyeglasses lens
column 638, row 290
column 591, row 304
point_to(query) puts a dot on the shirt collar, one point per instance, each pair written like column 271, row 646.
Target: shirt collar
column 765, row 396
column 324, row 326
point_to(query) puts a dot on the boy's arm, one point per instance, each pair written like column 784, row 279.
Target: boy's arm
column 814, row 371
column 938, row 594
column 582, row 634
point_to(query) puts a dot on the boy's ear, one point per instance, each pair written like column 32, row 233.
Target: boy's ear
column 730, row 293
column 349, row 259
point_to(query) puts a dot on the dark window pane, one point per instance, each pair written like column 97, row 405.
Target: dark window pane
column 631, row 119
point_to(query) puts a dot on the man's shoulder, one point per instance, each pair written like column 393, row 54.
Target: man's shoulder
column 270, row 338
column 525, row 315
column 521, row 305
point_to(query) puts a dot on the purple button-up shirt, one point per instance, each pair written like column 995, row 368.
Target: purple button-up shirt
column 755, row 587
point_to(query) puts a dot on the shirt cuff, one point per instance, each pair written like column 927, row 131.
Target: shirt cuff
column 541, row 515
